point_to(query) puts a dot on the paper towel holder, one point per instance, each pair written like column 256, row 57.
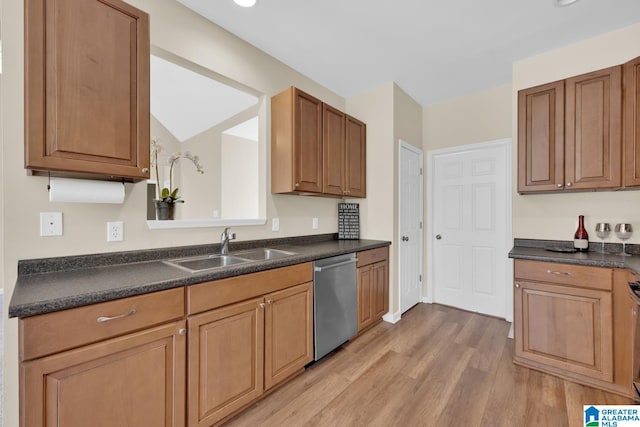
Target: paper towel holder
column 75, row 190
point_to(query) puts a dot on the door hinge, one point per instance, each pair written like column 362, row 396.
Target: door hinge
column 420, row 171
column 420, row 225
column 420, row 277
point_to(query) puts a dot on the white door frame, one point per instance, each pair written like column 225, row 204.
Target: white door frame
column 414, row 149
column 508, row 273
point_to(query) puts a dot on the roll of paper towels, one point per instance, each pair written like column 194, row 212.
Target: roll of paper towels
column 85, row 191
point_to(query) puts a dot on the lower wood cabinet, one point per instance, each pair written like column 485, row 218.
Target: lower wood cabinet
column 119, row 363
column 575, row 322
column 239, row 351
column 373, row 286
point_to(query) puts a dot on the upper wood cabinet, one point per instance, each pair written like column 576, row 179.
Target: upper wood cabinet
column 356, row 158
column 541, row 138
column 569, row 134
column 632, row 123
column 315, row 148
column 87, row 88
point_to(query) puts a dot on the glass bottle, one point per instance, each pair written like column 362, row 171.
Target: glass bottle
column 581, row 238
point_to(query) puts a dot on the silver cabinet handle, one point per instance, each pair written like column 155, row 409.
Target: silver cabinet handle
column 103, row 319
column 568, row 184
column 559, row 273
column 438, row 237
column 559, row 185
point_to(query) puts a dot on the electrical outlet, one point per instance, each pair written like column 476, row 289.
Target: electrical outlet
column 115, row 231
column 314, row 223
column 50, row 224
column 275, row 224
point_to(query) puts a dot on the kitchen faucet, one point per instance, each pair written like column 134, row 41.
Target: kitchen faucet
column 224, row 241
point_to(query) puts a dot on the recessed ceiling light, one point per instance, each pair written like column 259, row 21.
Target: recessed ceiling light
column 565, row 2
column 248, row 3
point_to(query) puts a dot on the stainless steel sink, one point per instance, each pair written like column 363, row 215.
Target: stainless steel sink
column 207, row 262
column 263, row 254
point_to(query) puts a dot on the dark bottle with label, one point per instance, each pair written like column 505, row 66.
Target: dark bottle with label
column 581, row 238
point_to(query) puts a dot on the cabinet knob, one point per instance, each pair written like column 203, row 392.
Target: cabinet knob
column 145, row 170
column 518, row 285
column 297, row 184
column 559, row 185
column 182, row 331
column 405, row 238
column 269, row 301
column 568, row 184
column 438, row 237
column 261, row 305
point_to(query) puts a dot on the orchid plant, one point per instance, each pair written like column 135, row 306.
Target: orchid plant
column 170, row 194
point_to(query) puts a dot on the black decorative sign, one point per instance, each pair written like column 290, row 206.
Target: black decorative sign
column 348, row 221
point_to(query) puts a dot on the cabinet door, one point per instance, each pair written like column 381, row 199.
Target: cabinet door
column 632, row 123
column 226, row 353
column 380, row 290
column 333, row 122
column 134, row 380
column 365, row 296
column 593, row 137
column 356, row 158
column 565, row 327
column 541, row 138
column 307, row 147
column 87, row 87
column 288, row 330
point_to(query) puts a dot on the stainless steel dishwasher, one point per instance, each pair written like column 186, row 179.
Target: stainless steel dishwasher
column 335, row 302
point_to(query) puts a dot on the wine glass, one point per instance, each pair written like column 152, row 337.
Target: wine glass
column 624, row 231
column 602, row 231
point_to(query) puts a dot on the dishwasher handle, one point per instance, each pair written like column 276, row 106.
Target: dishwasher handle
column 337, row 264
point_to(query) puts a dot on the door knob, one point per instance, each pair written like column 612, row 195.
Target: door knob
column 438, row 236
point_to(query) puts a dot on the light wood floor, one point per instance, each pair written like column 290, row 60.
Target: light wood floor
column 438, row 366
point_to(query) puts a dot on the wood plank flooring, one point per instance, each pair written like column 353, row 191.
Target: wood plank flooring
column 438, row 366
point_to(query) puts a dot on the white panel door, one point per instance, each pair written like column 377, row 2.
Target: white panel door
column 470, row 229
column 410, row 226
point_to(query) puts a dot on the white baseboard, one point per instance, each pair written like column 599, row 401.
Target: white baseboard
column 392, row 317
column 427, row 300
column 510, row 334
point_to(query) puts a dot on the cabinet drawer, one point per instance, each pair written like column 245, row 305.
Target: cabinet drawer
column 567, row 274
column 62, row 330
column 210, row 295
column 372, row 255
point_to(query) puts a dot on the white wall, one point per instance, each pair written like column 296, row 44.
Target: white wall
column 555, row 216
column 239, row 177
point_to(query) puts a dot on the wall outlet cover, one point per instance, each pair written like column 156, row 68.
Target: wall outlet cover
column 115, row 231
column 275, row 224
column 50, row 224
column 314, row 223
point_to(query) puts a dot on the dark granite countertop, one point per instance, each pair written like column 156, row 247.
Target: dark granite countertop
column 539, row 250
column 53, row 284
